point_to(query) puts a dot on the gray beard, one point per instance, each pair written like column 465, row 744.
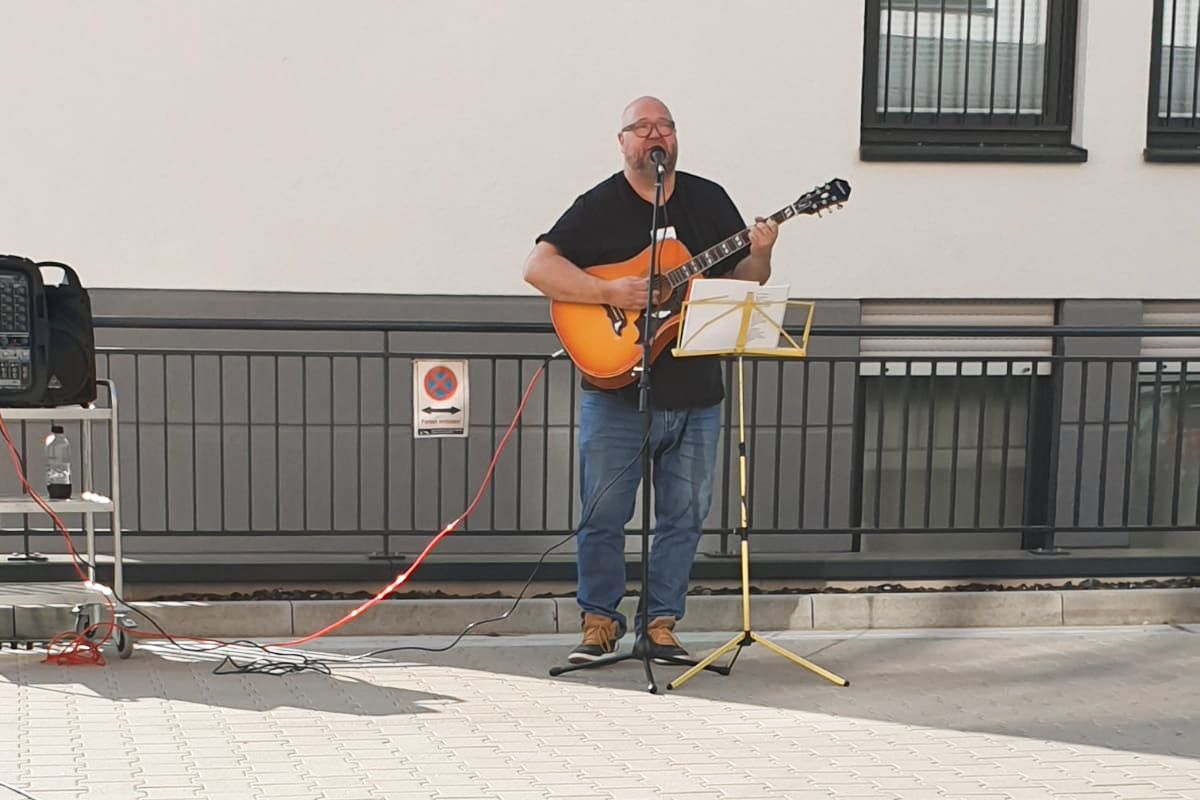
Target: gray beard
column 642, row 165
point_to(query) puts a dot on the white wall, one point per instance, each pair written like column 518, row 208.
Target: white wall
column 418, row 147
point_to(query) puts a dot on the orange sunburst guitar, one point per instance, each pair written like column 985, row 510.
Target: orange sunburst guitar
column 605, row 342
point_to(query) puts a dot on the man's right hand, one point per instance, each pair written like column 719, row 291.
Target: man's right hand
column 628, row 292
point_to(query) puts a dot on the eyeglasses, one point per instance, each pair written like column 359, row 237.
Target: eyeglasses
column 642, row 128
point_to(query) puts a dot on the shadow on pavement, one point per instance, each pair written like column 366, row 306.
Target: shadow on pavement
column 1129, row 689
column 155, row 672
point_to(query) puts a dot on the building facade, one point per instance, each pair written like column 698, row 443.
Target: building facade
column 1028, row 163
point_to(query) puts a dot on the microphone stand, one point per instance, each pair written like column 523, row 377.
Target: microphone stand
column 642, row 646
column 644, row 409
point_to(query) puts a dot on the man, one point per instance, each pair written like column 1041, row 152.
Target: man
column 607, row 224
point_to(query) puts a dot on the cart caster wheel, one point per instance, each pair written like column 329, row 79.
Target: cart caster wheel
column 124, row 645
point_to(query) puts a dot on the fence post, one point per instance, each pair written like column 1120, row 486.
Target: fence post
column 1054, row 439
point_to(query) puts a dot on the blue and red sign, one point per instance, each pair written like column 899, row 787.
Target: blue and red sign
column 440, row 383
column 440, row 402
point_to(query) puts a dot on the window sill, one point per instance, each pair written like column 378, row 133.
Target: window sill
column 1057, row 153
column 1172, row 155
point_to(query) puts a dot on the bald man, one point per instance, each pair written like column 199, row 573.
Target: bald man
column 610, row 223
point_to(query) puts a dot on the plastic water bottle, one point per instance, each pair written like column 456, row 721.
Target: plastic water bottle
column 58, row 464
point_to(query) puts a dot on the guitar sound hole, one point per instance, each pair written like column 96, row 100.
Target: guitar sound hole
column 673, row 301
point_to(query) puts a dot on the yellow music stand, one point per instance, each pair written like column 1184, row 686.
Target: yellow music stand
column 757, row 332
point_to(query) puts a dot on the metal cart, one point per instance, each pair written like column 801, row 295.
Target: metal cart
column 32, row 613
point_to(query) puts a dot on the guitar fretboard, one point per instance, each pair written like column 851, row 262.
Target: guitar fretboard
column 719, row 252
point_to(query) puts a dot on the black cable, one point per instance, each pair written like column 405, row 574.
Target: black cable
column 269, row 667
column 277, row 668
column 299, row 662
column 541, row 559
column 659, row 243
column 78, row 559
column 304, row 663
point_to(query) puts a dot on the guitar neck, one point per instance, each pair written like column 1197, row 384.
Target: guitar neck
column 720, row 251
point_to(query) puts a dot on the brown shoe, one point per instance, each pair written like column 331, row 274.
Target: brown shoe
column 599, row 639
column 663, row 645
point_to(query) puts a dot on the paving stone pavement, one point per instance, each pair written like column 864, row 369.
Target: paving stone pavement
column 1089, row 713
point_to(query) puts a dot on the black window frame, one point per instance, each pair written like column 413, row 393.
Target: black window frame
column 1172, row 140
column 958, row 136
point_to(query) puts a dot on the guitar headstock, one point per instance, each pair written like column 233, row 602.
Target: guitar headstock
column 834, row 193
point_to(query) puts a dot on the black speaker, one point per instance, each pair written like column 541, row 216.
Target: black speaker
column 24, row 332
column 71, row 376
column 47, row 344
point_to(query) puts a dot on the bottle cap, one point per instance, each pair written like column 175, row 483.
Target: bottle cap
column 56, row 429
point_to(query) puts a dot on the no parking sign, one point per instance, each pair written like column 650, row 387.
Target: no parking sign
column 439, row 398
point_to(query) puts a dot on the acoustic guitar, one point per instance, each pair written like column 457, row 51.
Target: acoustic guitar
column 605, row 342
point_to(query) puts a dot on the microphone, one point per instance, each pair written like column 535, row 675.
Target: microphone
column 658, row 156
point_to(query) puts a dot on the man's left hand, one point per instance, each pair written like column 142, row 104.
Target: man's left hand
column 763, row 235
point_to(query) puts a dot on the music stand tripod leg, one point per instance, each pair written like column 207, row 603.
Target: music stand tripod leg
column 737, row 641
column 747, row 635
column 824, row 673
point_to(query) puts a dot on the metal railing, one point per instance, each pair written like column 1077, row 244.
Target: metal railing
column 282, row 435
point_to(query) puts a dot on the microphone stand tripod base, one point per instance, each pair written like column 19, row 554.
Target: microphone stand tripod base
column 639, row 652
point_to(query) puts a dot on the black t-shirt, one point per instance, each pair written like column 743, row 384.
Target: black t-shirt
column 611, row 222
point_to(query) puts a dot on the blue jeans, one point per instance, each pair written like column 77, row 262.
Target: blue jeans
column 683, row 450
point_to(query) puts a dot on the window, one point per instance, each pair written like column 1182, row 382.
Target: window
column 945, row 452
column 969, row 80
column 947, row 422
column 1173, row 130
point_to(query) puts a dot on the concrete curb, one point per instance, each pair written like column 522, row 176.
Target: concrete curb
column 705, row 612
column 415, row 617
column 1114, row 607
column 277, row 618
column 938, row 610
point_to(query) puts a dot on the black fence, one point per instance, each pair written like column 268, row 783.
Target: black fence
column 290, row 444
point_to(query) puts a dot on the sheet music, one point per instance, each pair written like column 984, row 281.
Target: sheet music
column 713, row 321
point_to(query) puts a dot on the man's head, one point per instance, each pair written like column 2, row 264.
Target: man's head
column 645, row 124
